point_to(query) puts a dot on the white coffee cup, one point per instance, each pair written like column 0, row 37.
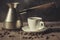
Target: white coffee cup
column 35, row 22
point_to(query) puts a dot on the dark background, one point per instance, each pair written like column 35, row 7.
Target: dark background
column 51, row 14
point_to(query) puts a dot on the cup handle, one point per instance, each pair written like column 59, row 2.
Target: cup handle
column 41, row 23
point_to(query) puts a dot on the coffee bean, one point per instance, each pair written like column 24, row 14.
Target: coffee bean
column 36, row 34
column 0, row 33
column 24, row 37
column 18, row 32
column 41, row 36
column 25, row 33
column 21, row 32
column 42, row 33
column 35, row 37
column 32, row 34
column 46, row 25
column 39, row 33
column 51, row 26
column 11, row 36
column 47, row 37
column 6, row 33
column 2, row 36
column 52, row 35
column 30, row 37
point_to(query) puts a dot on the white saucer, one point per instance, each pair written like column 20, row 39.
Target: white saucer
column 27, row 29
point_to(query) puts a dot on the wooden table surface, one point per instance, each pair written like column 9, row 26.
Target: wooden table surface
column 52, row 33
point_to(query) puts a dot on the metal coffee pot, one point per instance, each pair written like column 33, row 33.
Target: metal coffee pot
column 11, row 18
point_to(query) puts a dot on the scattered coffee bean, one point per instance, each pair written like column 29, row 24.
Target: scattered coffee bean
column 21, row 33
column 41, row 36
column 30, row 37
column 46, row 25
column 47, row 37
column 25, row 33
column 38, row 37
column 51, row 26
column 39, row 33
column 18, row 32
column 0, row 33
column 52, row 35
column 36, row 34
column 42, row 33
column 2, row 36
column 24, row 37
column 6, row 33
column 35, row 37
column 11, row 36
column 32, row 34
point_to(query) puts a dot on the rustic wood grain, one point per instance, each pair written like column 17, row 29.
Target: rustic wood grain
column 49, row 34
